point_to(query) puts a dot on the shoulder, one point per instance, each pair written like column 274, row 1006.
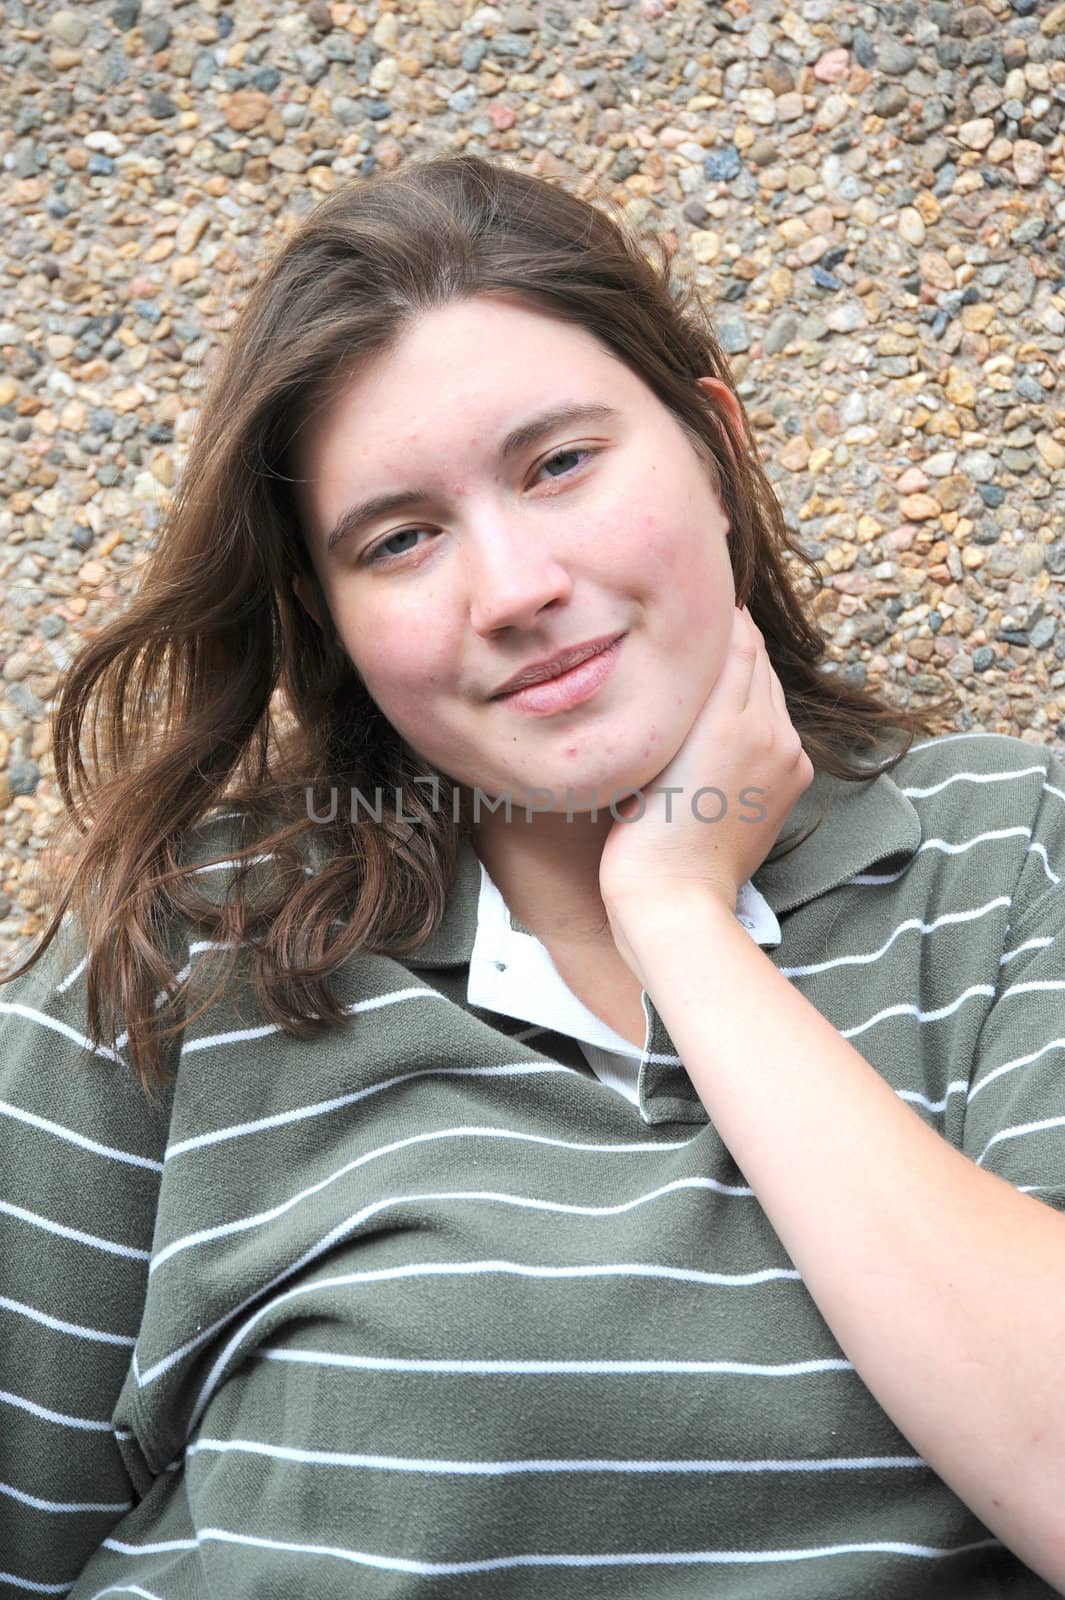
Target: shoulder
column 976, row 759
column 995, row 800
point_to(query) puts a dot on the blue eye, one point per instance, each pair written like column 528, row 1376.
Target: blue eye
column 379, row 554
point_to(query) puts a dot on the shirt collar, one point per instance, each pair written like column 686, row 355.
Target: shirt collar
column 512, row 972
column 865, row 823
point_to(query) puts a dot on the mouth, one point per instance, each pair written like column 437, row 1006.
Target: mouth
column 557, row 667
column 567, row 688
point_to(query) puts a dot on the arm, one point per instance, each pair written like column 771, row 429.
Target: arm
column 966, row 1361
column 80, row 1162
column 957, row 1327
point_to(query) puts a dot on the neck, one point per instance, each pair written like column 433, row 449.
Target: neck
column 547, row 870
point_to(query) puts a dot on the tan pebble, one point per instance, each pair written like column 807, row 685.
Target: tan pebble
column 159, row 251
column 840, row 557
column 811, row 250
column 1054, row 22
column 795, row 454
column 385, row 72
column 998, row 151
column 900, row 538
column 789, row 107
column 977, row 319
column 183, row 269
column 72, row 417
column 831, row 111
column 919, row 507
column 705, row 245
column 322, row 179
column 912, row 481
column 111, row 542
column 920, row 649
column 191, row 230
column 17, row 666
column 960, row 388
column 162, row 468
column 819, row 460
column 59, row 345
column 246, row 108
column 560, row 87
column 793, row 230
column 832, row 66
column 8, row 390
column 928, row 205
column 5, row 748
column 937, row 270
column 287, row 159
column 1029, row 162
column 760, row 105
column 44, row 685
column 92, row 572
column 977, row 134
column 5, row 791
column 1051, row 451
column 972, row 556
column 911, row 225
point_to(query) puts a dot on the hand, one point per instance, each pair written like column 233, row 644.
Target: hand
column 742, row 743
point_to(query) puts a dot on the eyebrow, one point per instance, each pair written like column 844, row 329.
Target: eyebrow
column 363, row 512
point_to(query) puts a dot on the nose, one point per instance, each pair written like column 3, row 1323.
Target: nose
column 512, row 575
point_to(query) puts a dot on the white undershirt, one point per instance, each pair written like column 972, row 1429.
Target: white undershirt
column 512, row 973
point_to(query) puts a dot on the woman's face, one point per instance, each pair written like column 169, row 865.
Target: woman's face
column 587, row 529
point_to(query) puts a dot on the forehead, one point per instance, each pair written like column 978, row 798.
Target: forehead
column 481, row 362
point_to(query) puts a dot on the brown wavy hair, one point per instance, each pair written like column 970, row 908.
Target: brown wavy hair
column 214, row 689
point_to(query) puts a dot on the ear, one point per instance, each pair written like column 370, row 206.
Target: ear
column 309, row 595
column 732, row 431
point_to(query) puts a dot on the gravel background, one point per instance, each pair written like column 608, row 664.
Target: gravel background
column 871, row 196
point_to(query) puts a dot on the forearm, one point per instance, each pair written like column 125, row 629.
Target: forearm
column 943, row 1284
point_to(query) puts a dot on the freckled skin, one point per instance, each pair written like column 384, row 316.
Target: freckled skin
column 516, row 562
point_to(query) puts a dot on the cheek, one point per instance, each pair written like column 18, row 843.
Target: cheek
column 397, row 662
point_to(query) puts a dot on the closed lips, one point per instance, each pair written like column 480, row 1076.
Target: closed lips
column 559, row 664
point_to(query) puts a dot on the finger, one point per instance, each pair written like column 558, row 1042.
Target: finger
column 734, row 684
column 761, row 689
column 779, row 700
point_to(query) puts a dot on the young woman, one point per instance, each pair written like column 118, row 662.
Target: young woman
column 532, row 1086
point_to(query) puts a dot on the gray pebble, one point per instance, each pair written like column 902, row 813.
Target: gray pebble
column 780, row 332
column 733, row 334
column 891, row 100
column 24, row 776
column 156, row 32
column 896, row 58
column 204, row 68
column 865, row 52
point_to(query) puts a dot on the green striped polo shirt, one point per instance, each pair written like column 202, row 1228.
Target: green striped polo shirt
column 421, row 1308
